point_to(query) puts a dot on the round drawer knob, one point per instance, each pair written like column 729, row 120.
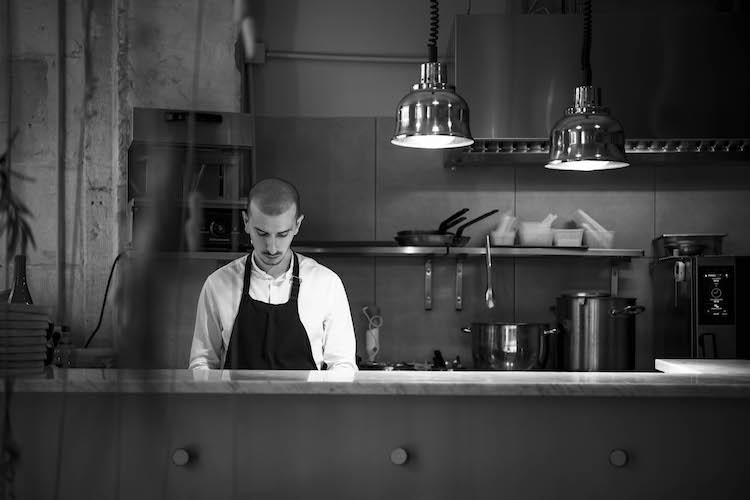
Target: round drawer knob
column 399, row 456
column 180, row 457
column 618, row 458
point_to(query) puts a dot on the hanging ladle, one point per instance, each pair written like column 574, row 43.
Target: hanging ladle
column 488, row 296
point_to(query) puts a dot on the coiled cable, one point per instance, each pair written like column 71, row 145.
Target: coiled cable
column 586, row 49
column 434, row 29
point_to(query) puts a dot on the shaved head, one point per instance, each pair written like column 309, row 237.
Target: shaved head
column 272, row 220
column 274, row 196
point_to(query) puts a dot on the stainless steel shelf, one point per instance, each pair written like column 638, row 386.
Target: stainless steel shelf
column 240, row 204
column 519, row 251
column 221, row 256
column 315, row 250
column 387, row 250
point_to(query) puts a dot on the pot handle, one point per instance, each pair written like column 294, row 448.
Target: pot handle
column 543, row 348
column 466, row 329
column 626, row 311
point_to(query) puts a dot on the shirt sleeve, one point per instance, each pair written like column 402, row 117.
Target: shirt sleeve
column 205, row 352
column 339, row 344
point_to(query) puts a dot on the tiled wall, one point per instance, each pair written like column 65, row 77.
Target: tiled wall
column 356, row 186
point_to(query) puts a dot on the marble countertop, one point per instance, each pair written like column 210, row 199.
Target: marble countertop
column 731, row 367
column 684, row 378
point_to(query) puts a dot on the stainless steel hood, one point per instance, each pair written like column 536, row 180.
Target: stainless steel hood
column 679, row 84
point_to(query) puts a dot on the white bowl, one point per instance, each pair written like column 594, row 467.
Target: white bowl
column 567, row 237
column 503, row 238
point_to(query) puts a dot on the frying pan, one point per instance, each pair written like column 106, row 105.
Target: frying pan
column 441, row 237
column 444, row 226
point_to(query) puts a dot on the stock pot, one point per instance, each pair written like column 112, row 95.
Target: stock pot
column 597, row 331
column 509, row 346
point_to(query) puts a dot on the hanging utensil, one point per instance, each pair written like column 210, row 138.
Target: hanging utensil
column 488, row 295
column 372, row 335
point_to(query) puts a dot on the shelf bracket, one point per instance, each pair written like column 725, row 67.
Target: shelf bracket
column 428, row 284
column 459, row 284
column 614, row 277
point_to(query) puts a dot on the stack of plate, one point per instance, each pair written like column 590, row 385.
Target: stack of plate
column 23, row 338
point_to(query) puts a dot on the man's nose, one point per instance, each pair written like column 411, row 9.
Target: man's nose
column 271, row 245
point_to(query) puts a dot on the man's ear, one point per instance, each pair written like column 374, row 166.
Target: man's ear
column 246, row 220
column 299, row 223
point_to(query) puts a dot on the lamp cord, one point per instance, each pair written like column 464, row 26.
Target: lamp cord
column 586, row 50
column 434, row 27
column 104, row 302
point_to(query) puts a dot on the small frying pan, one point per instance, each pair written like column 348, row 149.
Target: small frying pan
column 442, row 229
column 437, row 239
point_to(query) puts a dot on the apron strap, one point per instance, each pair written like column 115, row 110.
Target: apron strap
column 295, row 279
column 248, row 272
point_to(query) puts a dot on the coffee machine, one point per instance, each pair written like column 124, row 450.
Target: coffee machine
column 700, row 298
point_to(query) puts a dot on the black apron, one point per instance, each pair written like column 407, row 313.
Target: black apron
column 269, row 336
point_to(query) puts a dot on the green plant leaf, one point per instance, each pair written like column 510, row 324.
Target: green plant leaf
column 12, row 239
column 22, row 209
column 20, row 176
column 14, row 213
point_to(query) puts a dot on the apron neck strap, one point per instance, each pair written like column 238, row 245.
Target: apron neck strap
column 295, row 277
column 248, row 272
column 296, row 280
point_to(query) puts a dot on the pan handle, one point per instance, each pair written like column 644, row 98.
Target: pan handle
column 626, row 311
column 543, row 347
column 452, row 223
column 447, row 222
column 472, row 221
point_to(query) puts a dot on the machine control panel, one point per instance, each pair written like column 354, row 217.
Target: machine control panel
column 716, row 295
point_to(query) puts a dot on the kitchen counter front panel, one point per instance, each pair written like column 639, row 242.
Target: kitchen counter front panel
column 715, row 379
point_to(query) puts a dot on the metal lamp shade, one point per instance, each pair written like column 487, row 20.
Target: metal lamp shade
column 587, row 138
column 432, row 115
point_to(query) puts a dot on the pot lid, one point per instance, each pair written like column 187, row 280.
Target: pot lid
column 584, row 294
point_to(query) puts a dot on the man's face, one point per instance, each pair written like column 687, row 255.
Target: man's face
column 271, row 235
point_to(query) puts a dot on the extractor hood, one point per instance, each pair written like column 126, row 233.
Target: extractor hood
column 679, row 84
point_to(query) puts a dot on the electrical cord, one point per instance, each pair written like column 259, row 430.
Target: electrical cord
column 586, row 49
column 104, row 302
column 434, row 29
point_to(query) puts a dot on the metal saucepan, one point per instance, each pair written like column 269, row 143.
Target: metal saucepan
column 510, row 346
column 441, row 237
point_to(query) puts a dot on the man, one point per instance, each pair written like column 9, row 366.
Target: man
column 273, row 309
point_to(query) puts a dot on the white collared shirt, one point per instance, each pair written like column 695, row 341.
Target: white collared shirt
column 322, row 304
